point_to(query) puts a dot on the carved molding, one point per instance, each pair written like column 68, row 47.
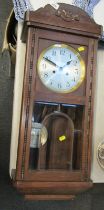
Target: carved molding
column 67, row 16
column 28, row 98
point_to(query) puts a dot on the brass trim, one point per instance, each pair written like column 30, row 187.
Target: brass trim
column 82, row 64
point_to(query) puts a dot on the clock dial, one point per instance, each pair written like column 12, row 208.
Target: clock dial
column 61, row 68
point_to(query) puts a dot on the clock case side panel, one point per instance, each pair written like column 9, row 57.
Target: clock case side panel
column 88, row 124
column 91, row 102
column 26, row 110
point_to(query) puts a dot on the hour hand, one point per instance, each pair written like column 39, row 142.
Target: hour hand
column 49, row 61
column 67, row 63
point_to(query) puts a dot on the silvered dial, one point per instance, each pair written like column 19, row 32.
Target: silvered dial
column 61, row 68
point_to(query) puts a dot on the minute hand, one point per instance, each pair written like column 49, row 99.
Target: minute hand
column 49, row 61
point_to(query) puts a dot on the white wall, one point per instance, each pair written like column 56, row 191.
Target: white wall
column 97, row 174
column 99, row 13
column 41, row 3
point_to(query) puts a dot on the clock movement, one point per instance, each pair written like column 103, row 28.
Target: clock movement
column 54, row 146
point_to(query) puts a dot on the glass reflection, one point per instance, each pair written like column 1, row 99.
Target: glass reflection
column 56, row 137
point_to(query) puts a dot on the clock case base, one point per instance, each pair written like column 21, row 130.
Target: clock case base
column 61, row 185
column 52, row 190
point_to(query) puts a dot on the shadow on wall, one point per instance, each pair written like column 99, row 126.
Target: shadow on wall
column 6, row 94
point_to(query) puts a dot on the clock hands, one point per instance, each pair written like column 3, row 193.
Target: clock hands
column 54, row 64
column 67, row 63
column 51, row 62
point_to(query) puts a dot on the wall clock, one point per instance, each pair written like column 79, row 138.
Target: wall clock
column 54, row 147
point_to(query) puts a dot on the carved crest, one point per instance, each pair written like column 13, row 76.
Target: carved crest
column 67, row 15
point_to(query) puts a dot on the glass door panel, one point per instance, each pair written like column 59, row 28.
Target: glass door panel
column 56, row 137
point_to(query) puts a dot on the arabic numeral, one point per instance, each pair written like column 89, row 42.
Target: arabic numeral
column 54, row 52
column 68, row 84
column 45, row 74
column 44, row 65
column 76, row 71
column 59, row 85
column 51, row 82
column 75, row 62
column 74, row 79
column 48, row 57
column 62, row 51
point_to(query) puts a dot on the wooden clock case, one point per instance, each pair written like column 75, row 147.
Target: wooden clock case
column 43, row 28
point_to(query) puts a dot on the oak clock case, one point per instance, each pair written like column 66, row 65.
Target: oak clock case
column 54, row 151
